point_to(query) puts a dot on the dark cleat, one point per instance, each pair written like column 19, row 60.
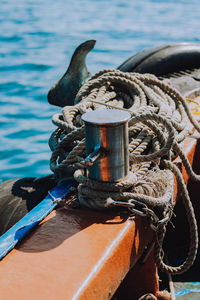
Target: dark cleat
column 64, row 91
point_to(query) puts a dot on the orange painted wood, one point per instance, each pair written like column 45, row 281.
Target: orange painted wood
column 80, row 254
column 73, row 254
column 140, row 280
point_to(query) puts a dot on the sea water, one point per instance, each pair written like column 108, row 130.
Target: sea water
column 37, row 39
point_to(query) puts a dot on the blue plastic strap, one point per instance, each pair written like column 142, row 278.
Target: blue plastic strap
column 16, row 233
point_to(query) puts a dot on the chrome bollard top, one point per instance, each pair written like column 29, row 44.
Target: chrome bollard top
column 106, row 133
column 108, row 117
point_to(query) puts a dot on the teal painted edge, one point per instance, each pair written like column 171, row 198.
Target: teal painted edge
column 16, row 233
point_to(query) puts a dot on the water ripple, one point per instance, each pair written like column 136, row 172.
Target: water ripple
column 27, row 66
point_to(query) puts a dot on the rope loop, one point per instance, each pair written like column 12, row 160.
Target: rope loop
column 157, row 128
column 169, row 143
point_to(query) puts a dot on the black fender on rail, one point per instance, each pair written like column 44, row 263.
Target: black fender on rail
column 19, row 196
column 164, row 60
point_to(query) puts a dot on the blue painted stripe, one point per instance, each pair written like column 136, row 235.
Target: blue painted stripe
column 16, row 233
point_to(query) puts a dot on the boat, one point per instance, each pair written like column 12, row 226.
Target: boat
column 78, row 253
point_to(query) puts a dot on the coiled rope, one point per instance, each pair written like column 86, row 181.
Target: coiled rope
column 157, row 128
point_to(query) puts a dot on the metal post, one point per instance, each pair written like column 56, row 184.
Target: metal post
column 106, row 132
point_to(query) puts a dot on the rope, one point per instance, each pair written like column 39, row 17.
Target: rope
column 192, row 226
column 157, row 128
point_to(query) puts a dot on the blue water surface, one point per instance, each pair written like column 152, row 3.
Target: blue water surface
column 37, row 39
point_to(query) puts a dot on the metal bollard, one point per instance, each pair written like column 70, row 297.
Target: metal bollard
column 106, row 132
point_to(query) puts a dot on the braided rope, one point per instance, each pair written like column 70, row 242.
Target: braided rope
column 192, row 226
column 158, row 125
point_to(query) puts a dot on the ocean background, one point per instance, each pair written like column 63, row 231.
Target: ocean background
column 37, row 40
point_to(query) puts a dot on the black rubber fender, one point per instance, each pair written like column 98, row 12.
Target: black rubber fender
column 19, row 196
column 164, row 60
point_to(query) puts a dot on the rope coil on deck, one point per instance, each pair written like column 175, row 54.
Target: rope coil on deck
column 157, row 128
